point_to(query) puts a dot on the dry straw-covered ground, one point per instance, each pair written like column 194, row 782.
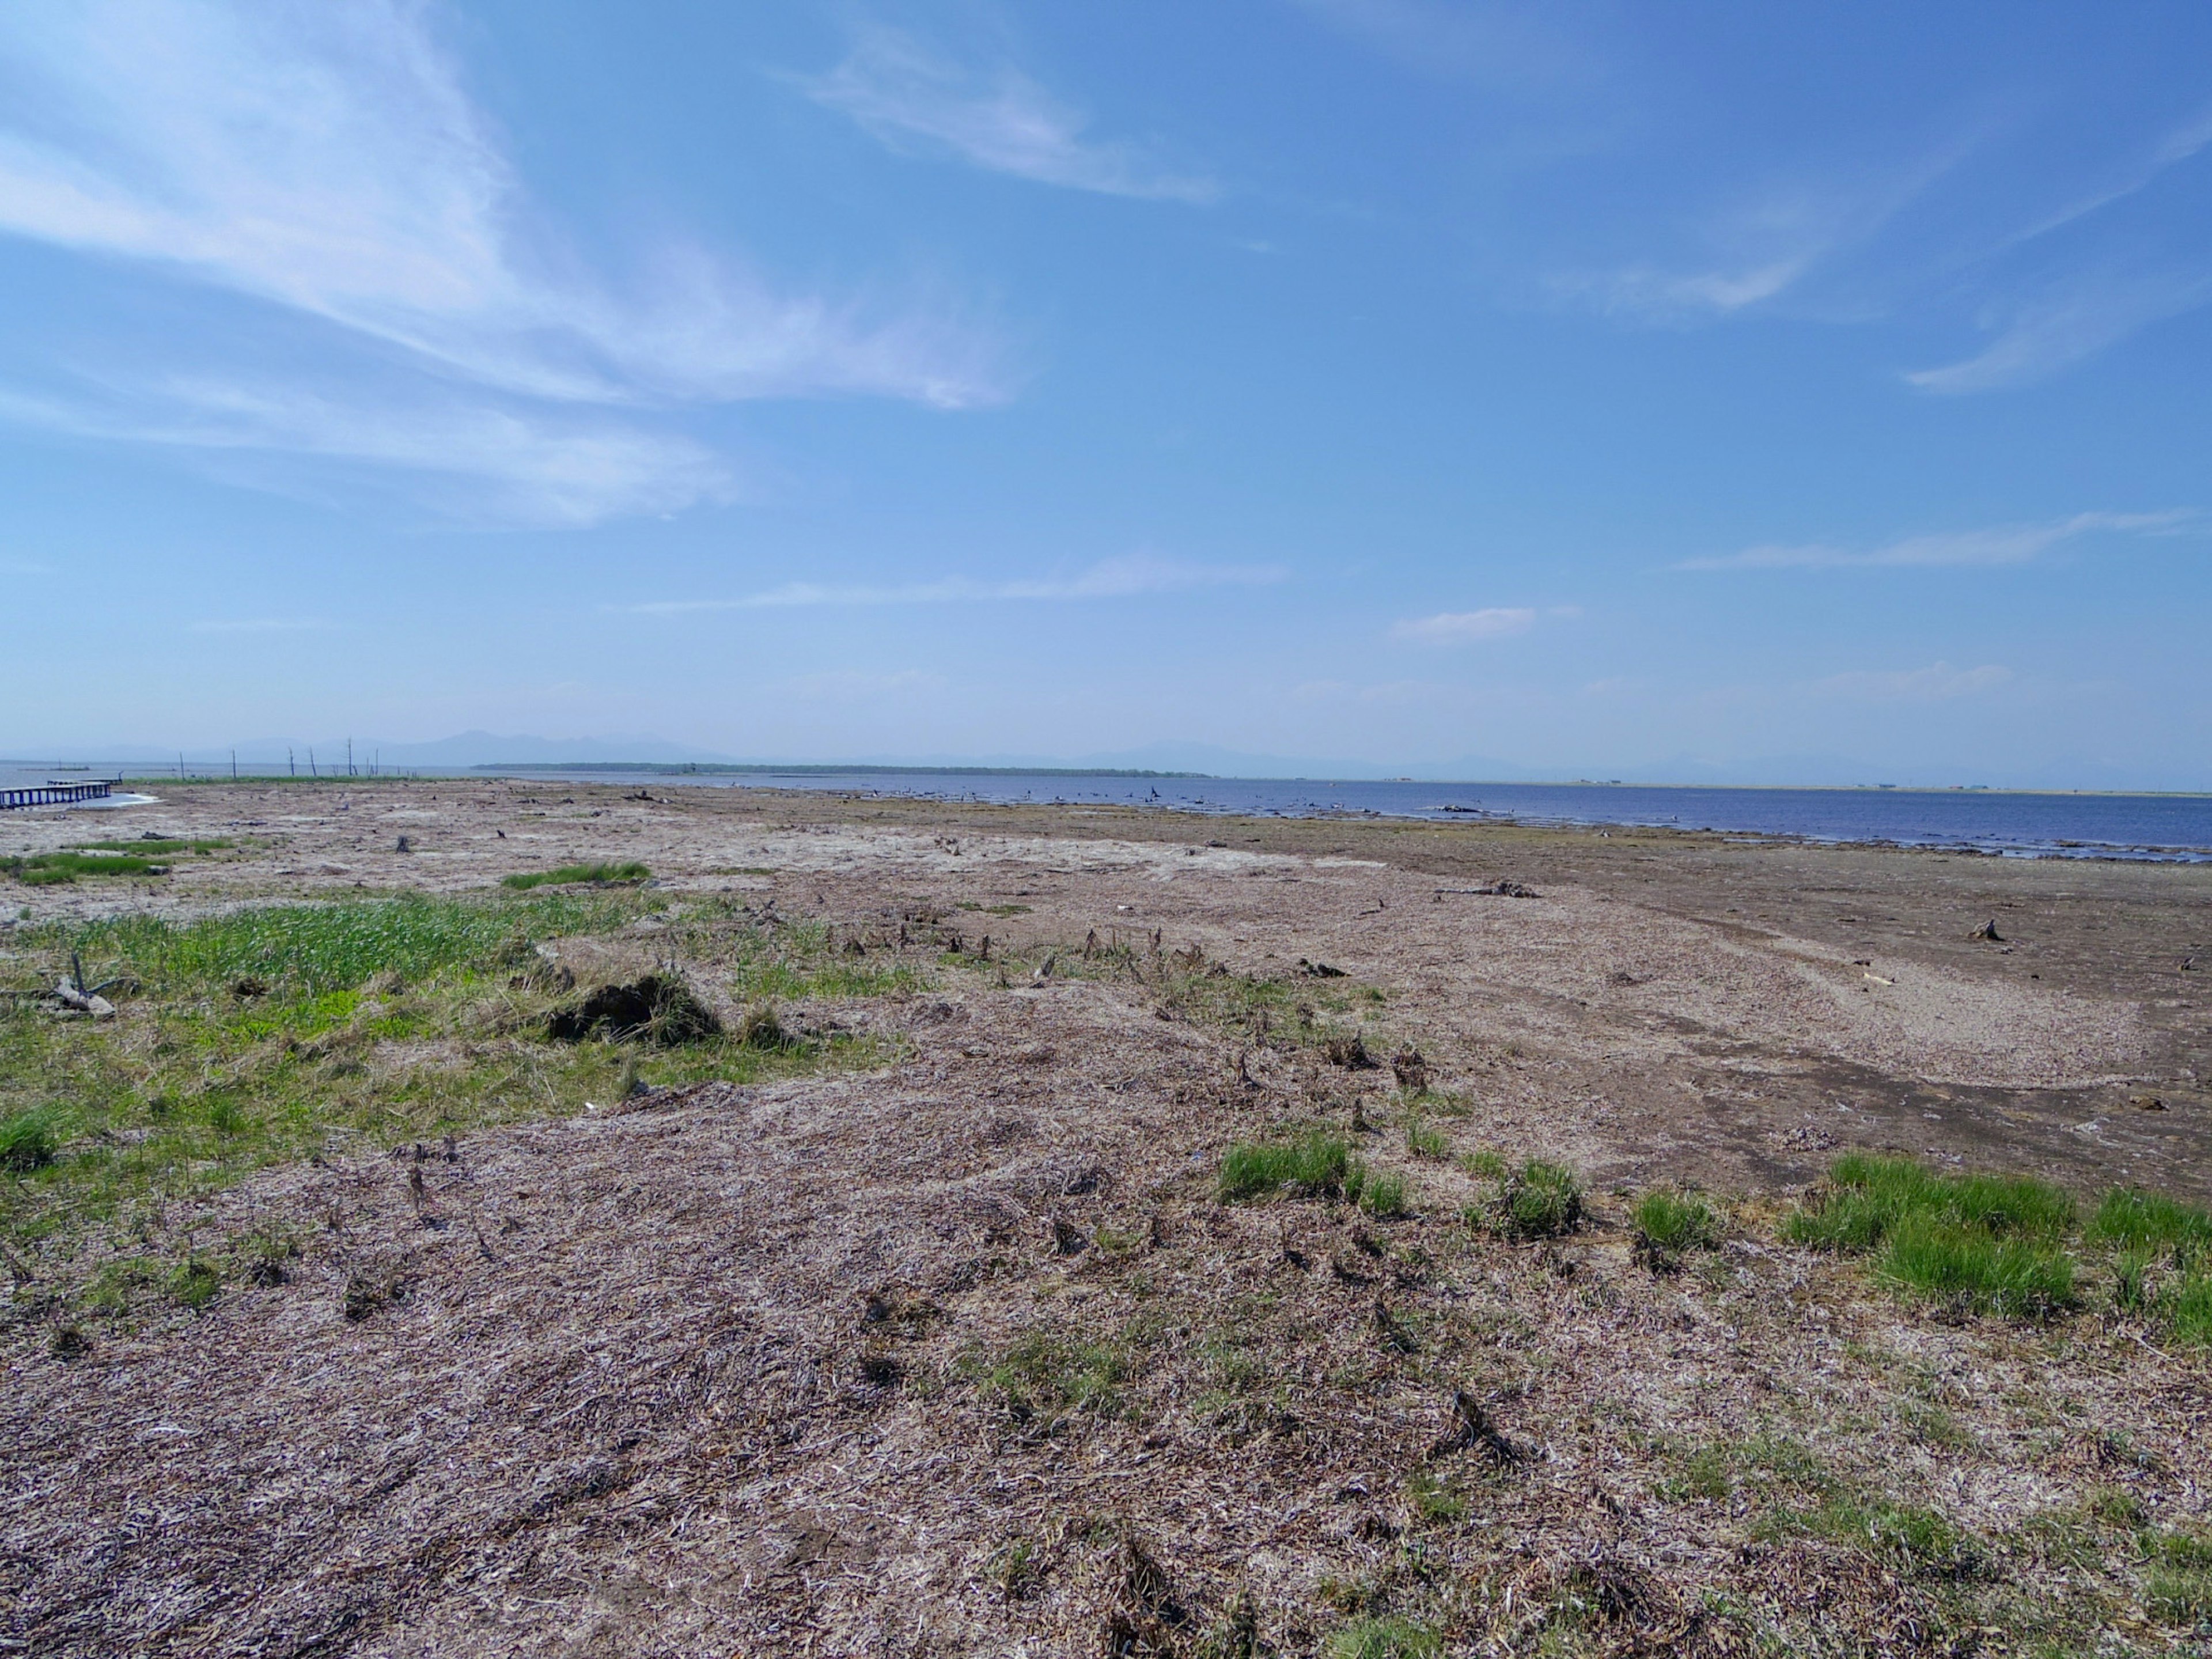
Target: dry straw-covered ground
column 363, row 1318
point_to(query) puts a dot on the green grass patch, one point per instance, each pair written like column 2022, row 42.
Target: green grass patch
column 296, row 950
column 1869, row 1195
column 58, row 869
column 2184, row 1307
column 2178, row 1578
column 1044, row 1374
column 1434, row 1498
column 1537, row 1200
column 27, row 1139
column 579, row 875
column 100, row 859
column 1978, row 1244
column 1313, row 1165
column 2133, row 1219
column 1909, row 1539
column 1385, row 1639
column 265, row 1036
column 1966, row 1268
column 1424, row 1140
column 1380, row 1195
column 151, row 846
column 1668, row 1226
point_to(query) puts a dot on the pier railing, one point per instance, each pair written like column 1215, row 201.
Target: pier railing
column 55, row 795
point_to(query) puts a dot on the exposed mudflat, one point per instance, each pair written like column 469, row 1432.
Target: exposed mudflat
column 724, row 1371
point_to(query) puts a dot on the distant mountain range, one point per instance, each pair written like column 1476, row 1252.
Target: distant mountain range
column 474, row 749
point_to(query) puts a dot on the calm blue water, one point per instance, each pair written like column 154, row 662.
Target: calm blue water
column 2164, row 827
column 2170, row 827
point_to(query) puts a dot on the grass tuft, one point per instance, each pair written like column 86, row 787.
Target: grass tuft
column 1977, row 1243
column 2178, row 1578
column 1870, row 1195
column 1313, row 1165
column 1382, row 1196
column 578, row 875
column 1966, row 1268
column 1043, row 1371
column 2136, row 1220
column 1669, row 1225
column 1423, row 1140
column 27, row 1139
column 1540, row 1200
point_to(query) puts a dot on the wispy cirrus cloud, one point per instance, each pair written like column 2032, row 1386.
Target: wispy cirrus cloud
column 1769, row 242
column 327, row 161
column 913, row 101
column 2000, row 545
column 1109, row 579
column 1937, row 683
column 2068, row 324
column 1466, row 627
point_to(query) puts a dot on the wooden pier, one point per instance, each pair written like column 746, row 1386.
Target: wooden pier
column 55, row 795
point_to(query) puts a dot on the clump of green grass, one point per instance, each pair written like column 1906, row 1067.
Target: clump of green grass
column 579, row 875
column 193, row 1283
column 2178, row 1578
column 1485, row 1164
column 318, row 948
column 27, row 1139
column 1869, row 1195
column 1979, row 1244
column 1910, row 1539
column 1044, row 1371
column 99, row 859
column 1433, row 1497
column 2134, row 1219
column 1966, row 1268
column 1424, row 1140
column 1384, row 1639
column 1380, row 1195
column 1315, row 1164
column 58, row 869
column 1668, row 1225
column 1538, row 1200
column 2184, row 1308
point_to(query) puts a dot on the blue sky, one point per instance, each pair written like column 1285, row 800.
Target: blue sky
column 1580, row 388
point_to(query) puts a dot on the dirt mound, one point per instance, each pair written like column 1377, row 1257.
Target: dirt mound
column 659, row 1008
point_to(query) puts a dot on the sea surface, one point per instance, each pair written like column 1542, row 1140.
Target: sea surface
column 2166, row 827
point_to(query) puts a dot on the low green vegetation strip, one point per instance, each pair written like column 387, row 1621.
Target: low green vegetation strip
column 100, row 858
column 252, row 1038
column 2008, row 1245
column 579, row 875
column 1317, row 1165
column 1978, row 1244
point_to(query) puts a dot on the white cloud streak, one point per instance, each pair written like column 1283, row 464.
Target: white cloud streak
column 2003, row 544
column 1109, row 579
column 2040, row 336
column 474, row 461
column 1466, row 627
column 1937, row 683
column 915, row 101
column 327, row 161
